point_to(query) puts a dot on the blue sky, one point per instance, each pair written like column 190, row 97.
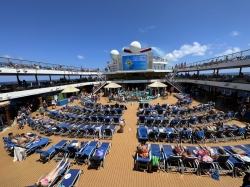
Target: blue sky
column 82, row 33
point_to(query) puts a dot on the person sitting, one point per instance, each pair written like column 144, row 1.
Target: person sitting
column 122, row 125
column 51, row 175
column 220, row 123
column 142, row 151
column 212, row 111
column 20, row 124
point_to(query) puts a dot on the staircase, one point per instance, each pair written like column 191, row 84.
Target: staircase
column 171, row 81
column 176, row 85
column 102, row 82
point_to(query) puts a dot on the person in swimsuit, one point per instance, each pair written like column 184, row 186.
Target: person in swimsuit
column 50, row 176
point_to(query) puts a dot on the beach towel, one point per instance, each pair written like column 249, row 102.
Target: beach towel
column 155, row 160
column 19, row 154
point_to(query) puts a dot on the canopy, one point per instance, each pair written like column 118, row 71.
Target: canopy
column 112, row 85
column 70, row 89
column 157, row 85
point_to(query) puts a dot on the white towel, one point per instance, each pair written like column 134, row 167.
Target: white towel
column 161, row 130
column 245, row 158
column 19, row 154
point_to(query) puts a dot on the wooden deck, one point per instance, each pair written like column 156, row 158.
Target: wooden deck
column 119, row 164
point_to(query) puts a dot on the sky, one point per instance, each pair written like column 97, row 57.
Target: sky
column 82, row 33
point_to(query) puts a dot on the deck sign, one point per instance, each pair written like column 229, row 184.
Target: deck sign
column 134, row 62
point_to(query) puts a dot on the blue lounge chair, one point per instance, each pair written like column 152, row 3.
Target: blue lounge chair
column 70, row 178
column 227, row 164
column 63, row 152
column 46, row 155
column 108, row 131
column 156, row 151
column 144, row 163
column 98, row 158
column 37, row 145
column 142, row 134
column 172, row 160
column 84, row 155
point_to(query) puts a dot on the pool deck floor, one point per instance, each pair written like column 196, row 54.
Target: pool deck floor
column 119, row 164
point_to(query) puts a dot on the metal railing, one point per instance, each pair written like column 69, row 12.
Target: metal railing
column 29, row 85
column 29, row 64
column 241, row 55
column 229, row 78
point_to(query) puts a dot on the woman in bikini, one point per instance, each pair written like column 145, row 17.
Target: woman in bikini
column 51, row 176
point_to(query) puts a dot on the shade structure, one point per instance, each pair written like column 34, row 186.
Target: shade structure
column 112, row 85
column 70, row 89
column 157, row 85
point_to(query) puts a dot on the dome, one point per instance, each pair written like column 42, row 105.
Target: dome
column 113, row 54
column 135, row 47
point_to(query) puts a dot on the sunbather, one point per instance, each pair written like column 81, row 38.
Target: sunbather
column 205, row 154
column 183, row 152
column 51, row 176
column 142, row 150
column 23, row 140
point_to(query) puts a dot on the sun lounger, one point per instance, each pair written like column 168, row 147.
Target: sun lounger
column 70, row 178
column 156, row 151
column 108, row 131
column 63, row 152
column 37, row 145
column 98, row 158
column 84, row 155
column 46, row 155
column 172, row 160
column 227, row 163
column 142, row 134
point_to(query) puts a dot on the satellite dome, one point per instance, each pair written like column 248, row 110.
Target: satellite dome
column 135, row 47
column 113, row 54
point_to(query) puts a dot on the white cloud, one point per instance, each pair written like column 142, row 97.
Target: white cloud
column 210, row 52
column 80, row 57
column 158, row 51
column 234, row 33
column 143, row 30
column 229, row 51
column 196, row 50
column 105, row 51
column 6, row 56
column 249, row 44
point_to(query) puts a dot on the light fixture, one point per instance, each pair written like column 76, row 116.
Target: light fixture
column 25, row 70
column 18, row 70
column 227, row 84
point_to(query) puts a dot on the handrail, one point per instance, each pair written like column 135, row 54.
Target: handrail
column 31, row 64
column 226, row 57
